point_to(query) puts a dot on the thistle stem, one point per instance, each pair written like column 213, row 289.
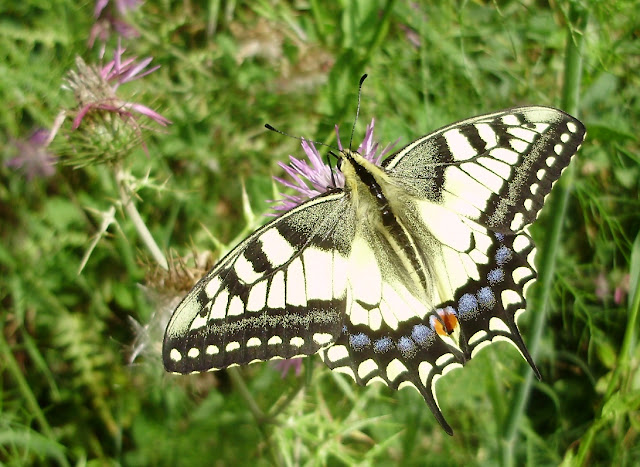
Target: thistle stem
column 127, row 199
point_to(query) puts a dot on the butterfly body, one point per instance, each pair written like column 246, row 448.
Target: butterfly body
column 399, row 274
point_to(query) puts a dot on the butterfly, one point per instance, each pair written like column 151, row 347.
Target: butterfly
column 398, row 272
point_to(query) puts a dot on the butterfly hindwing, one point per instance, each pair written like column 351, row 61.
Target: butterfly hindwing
column 280, row 293
column 400, row 339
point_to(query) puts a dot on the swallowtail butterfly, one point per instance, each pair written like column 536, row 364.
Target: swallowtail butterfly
column 399, row 274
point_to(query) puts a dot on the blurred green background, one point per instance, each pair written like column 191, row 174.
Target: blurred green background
column 69, row 392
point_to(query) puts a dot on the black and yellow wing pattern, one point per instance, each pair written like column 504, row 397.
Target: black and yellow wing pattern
column 398, row 276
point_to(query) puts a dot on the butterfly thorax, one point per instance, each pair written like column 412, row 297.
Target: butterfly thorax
column 380, row 220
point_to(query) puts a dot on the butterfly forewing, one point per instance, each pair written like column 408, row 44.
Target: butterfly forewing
column 280, row 293
column 400, row 276
column 496, row 168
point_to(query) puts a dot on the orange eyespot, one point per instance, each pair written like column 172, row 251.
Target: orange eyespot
column 447, row 323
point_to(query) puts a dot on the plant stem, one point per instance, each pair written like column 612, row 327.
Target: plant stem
column 126, row 197
column 577, row 19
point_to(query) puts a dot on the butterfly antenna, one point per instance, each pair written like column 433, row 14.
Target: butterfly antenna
column 353, row 129
column 330, row 153
column 269, row 127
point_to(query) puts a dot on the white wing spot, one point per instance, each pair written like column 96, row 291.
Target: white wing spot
column 486, row 177
column 523, row 134
column 528, row 204
column 376, row 379
column 564, row 137
column 212, row 350
column 534, row 188
column 257, row 296
column 541, row 174
column 510, row 120
column 357, row 314
column 517, row 222
column 520, row 274
column 175, row 355
column 572, row 127
column 254, row 342
column 318, row 265
column 366, row 368
column 459, row 144
column 510, row 297
column 395, row 368
column 276, row 248
column 296, row 289
column 337, row 352
column 442, row 359
column 236, row 306
column 375, row 319
column 231, row 346
column 193, row 352
column 244, row 269
column 496, row 324
column 519, row 145
column 557, row 149
column 219, row 307
column 276, row 291
column 499, row 168
column 541, row 127
column 487, row 134
column 505, row 155
column 322, row 338
column 477, row 337
column 479, row 347
column 424, row 369
column 198, row 322
column 274, row 340
column 212, row 287
column 296, row 341
column 521, row 243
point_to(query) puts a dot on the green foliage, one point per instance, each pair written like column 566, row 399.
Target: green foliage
column 68, row 391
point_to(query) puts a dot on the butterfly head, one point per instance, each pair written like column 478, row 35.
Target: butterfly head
column 314, row 176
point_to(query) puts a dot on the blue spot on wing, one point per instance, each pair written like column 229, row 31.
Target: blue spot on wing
column 486, row 298
column 467, row 304
column 495, row 275
column 359, row 341
column 383, row 345
column 422, row 334
column 407, row 347
column 503, row 254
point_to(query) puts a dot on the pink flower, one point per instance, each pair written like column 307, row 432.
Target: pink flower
column 34, row 159
column 318, row 174
column 110, row 19
column 96, row 89
column 110, row 124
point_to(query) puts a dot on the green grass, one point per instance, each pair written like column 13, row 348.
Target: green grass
column 68, row 393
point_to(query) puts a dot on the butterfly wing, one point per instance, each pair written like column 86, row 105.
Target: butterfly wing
column 465, row 194
column 393, row 332
column 279, row 293
column 495, row 169
column 488, row 176
column 325, row 277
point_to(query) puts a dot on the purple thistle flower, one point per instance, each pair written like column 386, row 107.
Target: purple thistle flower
column 105, row 114
column 96, row 89
column 110, row 19
column 34, row 159
column 318, row 174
